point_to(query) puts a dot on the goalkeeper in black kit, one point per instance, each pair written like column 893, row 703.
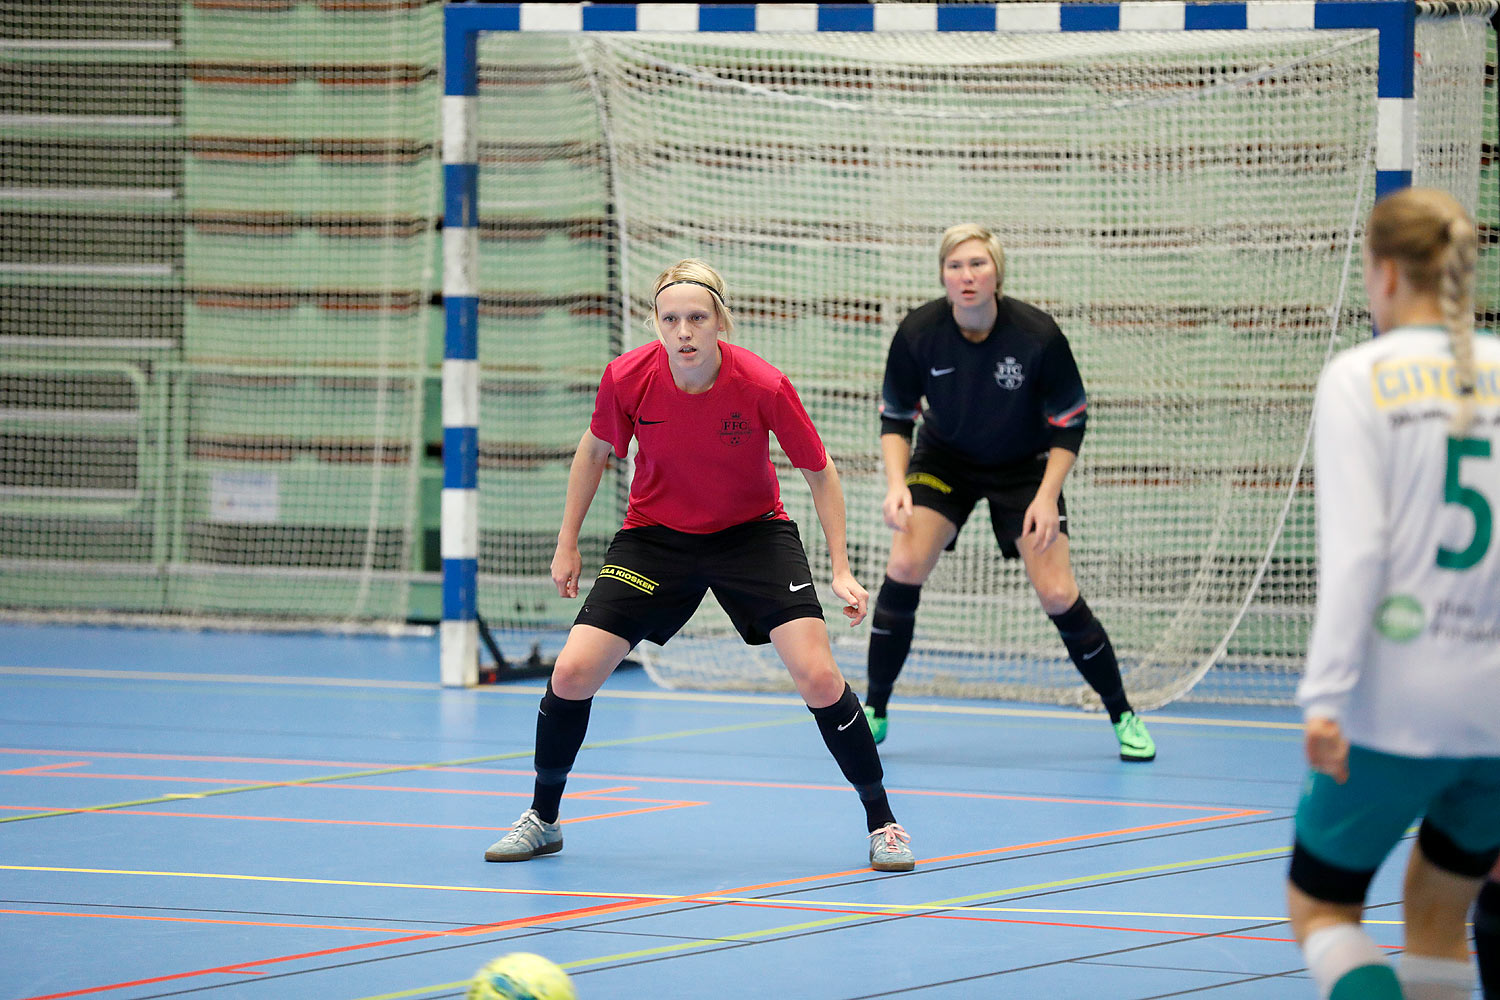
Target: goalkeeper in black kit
column 1004, row 418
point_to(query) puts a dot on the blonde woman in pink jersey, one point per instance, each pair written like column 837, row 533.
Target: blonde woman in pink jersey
column 705, row 514
column 1401, row 693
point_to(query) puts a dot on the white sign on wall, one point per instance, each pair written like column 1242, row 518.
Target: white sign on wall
column 244, row 497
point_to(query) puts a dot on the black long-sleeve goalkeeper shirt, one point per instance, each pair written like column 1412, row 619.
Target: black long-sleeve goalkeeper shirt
column 1014, row 395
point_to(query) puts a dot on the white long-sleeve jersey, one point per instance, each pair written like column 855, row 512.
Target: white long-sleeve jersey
column 1405, row 650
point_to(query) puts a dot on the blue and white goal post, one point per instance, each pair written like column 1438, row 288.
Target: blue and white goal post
column 1175, row 604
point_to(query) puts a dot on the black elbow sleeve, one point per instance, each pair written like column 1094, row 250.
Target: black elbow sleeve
column 889, row 425
column 1068, row 438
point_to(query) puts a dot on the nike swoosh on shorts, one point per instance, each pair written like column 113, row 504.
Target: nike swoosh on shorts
column 794, row 587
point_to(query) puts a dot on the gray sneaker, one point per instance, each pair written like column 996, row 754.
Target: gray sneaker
column 530, row 837
column 890, row 850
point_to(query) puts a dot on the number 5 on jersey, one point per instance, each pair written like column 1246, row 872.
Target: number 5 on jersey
column 1454, row 491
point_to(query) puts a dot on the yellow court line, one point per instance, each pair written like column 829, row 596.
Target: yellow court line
column 955, row 902
column 663, row 696
column 918, row 908
column 434, row 988
column 750, row 900
column 230, row 876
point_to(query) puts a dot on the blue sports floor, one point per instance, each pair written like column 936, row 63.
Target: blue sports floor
column 235, row 815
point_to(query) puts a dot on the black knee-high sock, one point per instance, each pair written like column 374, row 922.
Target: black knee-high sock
column 1487, row 938
column 848, row 738
column 560, row 727
column 1092, row 654
column 890, row 638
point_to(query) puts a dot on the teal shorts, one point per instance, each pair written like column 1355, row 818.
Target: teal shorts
column 1356, row 824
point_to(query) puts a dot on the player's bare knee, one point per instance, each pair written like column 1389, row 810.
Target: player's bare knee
column 818, row 685
column 1056, row 598
column 828, row 687
column 575, row 678
column 913, row 572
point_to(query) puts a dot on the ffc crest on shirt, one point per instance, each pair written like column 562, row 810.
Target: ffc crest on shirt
column 734, row 429
column 1009, row 374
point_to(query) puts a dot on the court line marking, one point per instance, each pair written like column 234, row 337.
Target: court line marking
column 94, row 673
column 646, row 898
column 330, row 782
column 663, row 696
column 831, row 905
column 747, row 936
column 647, row 696
column 399, row 769
column 36, row 770
column 601, row 793
column 664, row 806
column 624, row 904
column 464, row 766
column 202, row 920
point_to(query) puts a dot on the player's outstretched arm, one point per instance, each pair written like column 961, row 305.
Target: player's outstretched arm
column 583, row 482
column 828, row 500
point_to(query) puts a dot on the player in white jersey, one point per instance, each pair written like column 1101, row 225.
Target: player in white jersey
column 1401, row 694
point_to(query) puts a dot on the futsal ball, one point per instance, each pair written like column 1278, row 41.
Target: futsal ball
column 521, row 976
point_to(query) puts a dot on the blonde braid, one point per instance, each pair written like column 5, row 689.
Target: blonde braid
column 1456, row 295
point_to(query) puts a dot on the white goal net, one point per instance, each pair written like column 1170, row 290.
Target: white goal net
column 1186, row 204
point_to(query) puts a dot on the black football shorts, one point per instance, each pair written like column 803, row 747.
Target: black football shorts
column 952, row 487
column 654, row 577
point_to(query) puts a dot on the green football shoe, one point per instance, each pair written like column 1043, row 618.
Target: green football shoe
column 877, row 725
column 1135, row 743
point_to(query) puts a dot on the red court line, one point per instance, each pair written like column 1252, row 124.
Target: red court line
column 725, row 783
column 273, row 819
column 662, row 806
column 601, row 793
column 1049, row 798
column 200, row 758
column 37, row 769
column 639, row 779
column 630, row 903
column 1238, row 814
column 243, row 968
column 186, row 779
column 202, row 920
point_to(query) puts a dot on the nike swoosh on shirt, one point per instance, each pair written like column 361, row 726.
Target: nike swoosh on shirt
column 794, row 587
column 940, row 371
column 645, row 421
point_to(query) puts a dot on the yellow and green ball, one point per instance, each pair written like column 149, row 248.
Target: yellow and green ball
column 521, row 976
